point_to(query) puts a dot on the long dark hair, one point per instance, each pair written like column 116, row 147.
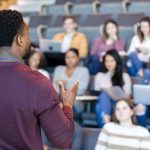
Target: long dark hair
column 131, row 105
column 105, row 34
column 139, row 32
column 117, row 78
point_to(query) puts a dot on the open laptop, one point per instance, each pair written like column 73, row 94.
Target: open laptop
column 47, row 45
column 141, row 94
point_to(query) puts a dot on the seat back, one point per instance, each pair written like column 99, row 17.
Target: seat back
column 90, row 136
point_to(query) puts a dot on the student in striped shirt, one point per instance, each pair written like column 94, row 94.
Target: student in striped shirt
column 123, row 133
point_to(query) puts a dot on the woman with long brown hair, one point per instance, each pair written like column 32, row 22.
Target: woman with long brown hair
column 139, row 50
column 123, row 133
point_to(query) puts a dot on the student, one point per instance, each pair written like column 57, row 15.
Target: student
column 111, row 75
column 71, row 38
column 123, row 133
column 109, row 40
column 37, row 62
column 139, row 50
column 72, row 72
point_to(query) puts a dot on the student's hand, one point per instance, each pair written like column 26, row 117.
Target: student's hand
column 68, row 96
column 144, row 50
column 139, row 109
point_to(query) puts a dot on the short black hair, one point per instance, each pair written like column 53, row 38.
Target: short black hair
column 11, row 24
column 74, row 50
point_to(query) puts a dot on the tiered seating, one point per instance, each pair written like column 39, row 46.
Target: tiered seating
column 136, row 6
column 126, row 23
column 84, row 7
column 89, row 138
column 114, row 7
column 35, row 21
column 59, row 8
column 94, row 14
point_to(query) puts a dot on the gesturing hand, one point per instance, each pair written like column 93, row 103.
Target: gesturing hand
column 68, row 96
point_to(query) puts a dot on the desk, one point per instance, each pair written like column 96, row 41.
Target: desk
column 88, row 99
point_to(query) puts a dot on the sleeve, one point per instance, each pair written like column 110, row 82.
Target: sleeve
column 56, row 75
column 145, row 141
column 127, row 84
column 57, row 37
column 102, row 140
column 97, row 84
column 56, row 123
column 83, row 48
column 95, row 46
column 132, row 46
column 84, row 81
column 120, row 45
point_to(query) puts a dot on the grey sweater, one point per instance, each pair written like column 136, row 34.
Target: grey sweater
column 81, row 74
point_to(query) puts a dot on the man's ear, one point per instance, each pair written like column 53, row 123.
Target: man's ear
column 19, row 40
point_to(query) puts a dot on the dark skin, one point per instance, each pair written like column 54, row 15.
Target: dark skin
column 21, row 48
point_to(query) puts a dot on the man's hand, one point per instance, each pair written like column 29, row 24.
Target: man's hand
column 68, row 96
column 63, row 81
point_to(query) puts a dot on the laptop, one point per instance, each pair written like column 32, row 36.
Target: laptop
column 47, row 45
column 141, row 94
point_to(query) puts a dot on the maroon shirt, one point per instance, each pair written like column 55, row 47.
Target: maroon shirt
column 28, row 101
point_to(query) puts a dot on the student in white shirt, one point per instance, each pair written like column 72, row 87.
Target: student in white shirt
column 139, row 50
column 70, row 37
column 123, row 133
column 111, row 75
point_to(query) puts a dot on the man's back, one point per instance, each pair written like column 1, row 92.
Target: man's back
column 27, row 101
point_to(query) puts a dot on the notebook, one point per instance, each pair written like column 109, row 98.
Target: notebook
column 47, row 45
column 141, row 94
column 116, row 93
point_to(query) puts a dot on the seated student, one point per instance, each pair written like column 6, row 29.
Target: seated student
column 123, row 133
column 37, row 61
column 139, row 50
column 109, row 40
column 71, row 38
column 111, row 75
column 70, row 73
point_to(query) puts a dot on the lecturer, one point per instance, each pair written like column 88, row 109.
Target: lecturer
column 28, row 101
